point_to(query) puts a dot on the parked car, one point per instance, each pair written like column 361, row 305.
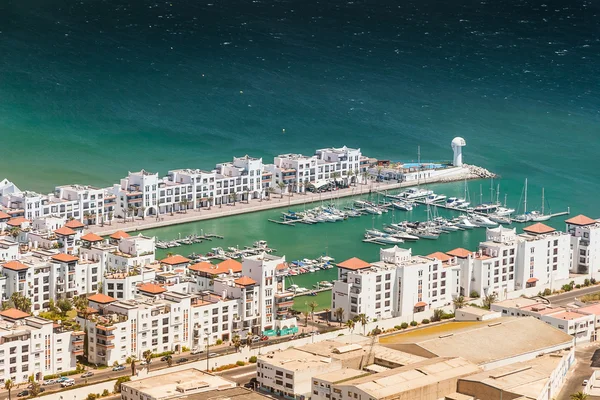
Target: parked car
column 87, row 374
column 264, row 337
column 585, row 382
column 144, row 362
column 50, row 382
column 23, row 393
column 119, row 368
column 67, row 383
column 196, row 351
column 213, row 355
column 182, row 360
column 255, row 339
column 62, row 379
column 164, row 358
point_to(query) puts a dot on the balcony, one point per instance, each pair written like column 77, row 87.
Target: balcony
column 105, row 335
column 78, row 350
column 104, row 345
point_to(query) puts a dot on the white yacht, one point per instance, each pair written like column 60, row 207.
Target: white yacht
column 432, row 198
column 416, row 193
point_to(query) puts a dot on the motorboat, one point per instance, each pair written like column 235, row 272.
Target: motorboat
column 501, row 219
column 464, row 223
column 405, row 236
column 416, row 193
column 482, row 221
column 432, row 198
column 401, row 205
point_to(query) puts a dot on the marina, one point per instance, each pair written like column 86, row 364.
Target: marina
column 187, row 240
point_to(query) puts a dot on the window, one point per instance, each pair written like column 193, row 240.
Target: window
column 289, row 376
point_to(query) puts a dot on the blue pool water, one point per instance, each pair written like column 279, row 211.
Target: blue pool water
column 423, row 166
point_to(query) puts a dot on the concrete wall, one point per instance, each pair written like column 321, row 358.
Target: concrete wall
column 482, row 391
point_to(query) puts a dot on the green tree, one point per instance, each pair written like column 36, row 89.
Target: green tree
column 281, row 186
column 270, row 191
column 233, row 196
column 335, row 177
column 64, row 305
column 438, row 313
column 147, row 357
column 489, row 300
column 363, row 319
column 459, row 302
column 52, row 307
column 110, row 217
column 8, row 385
column 237, row 342
column 35, row 388
column 169, row 361
column 313, row 305
column 210, row 201
column 365, row 176
column 14, row 232
column 305, row 315
column 247, row 193
column 579, row 396
column 132, row 365
column 327, row 315
column 349, row 174
column 184, row 204
column 18, row 301
column 81, row 305
column 121, row 380
column 350, row 324
column 339, row 314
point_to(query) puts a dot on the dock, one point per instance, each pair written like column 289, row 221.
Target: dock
column 311, row 291
column 288, row 222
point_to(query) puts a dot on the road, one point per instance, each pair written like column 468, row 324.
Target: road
column 241, row 375
column 101, row 375
column 569, row 297
column 582, row 370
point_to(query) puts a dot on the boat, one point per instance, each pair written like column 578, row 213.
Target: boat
column 504, row 211
column 432, row 198
column 415, row 193
column 373, row 210
column 464, row 223
column 261, row 244
column 325, row 284
column 540, row 216
column 426, row 233
column 525, row 217
column 384, row 239
column 405, row 236
column 455, row 202
column 402, row 205
column 482, row 221
column 376, row 233
column 501, row 219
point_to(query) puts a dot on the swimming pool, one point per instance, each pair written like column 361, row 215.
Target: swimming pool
column 423, row 165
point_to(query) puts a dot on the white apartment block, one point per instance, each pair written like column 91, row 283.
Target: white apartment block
column 138, row 192
column 341, row 161
column 399, row 284
column 293, row 170
column 580, row 325
column 35, row 346
column 585, row 243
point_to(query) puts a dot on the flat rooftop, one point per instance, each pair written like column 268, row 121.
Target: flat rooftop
column 341, row 375
column 294, row 359
column 410, row 377
column 165, row 385
column 236, row 393
column 484, row 343
column 527, row 378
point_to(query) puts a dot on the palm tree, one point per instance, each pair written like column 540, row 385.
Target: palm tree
column 169, row 360
column 281, row 187
column 313, row 305
column 247, row 193
column 233, row 196
column 110, row 217
column 350, row 324
column 129, row 212
column 143, row 209
column 270, row 191
column 81, row 305
column 210, row 201
column 327, row 313
column 8, row 385
column 349, row 175
column 438, row 313
column 305, row 315
column 132, row 366
column 237, row 343
column 147, row 357
column 459, row 302
column 578, row 396
column 365, row 176
column 339, row 314
column 300, row 186
column 335, row 175
column 488, row 300
column 363, row 319
column 15, row 232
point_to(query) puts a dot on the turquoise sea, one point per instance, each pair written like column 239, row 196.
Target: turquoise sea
column 91, row 89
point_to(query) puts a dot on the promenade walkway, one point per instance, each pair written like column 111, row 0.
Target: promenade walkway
column 276, row 201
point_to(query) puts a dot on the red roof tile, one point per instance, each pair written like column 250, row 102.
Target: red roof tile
column 538, row 229
column 421, row 304
column 66, row 258
column 15, row 266
column 151, row 288
column 204, row 266
column 231, row 264
column 581, row 220
column 13, row 313
column 74, row 224
column 281, row 266
column 354, row 264
column 101, row 298
column 17, row 221
column 245, row 281
column 438, row 255
column 64, row 231
column 92, row 237
column 532, row 280
column 175, row 260
column 4, row 215
column 459, row 252
column 118, row 235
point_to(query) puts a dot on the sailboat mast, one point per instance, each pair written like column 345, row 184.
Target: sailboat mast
column 491, row 190
column 542, row 201
column 498, row 194
column 525, row 202
column 505, row 196
column 480, row 194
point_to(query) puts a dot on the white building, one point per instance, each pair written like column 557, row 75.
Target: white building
column 34, row 346
column 137, row 194
column 585, row 242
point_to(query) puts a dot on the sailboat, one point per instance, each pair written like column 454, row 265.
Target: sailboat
column 523, row 217
column 540, row 216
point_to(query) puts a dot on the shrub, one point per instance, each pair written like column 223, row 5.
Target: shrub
column 593, row 281
column 240, row 363
column 547, row 292
column 91, row 396
column 122, row 379
column 252, row 359
column 374, row 320
column 219, row 342
column 397, row 327
column 566, row 288
column 474, row 294
column 116, row 364
column 225, row 367
column 578, row 286
column 376, row 331
column 425, row 321
column 448, row 316
column 105, row 393
column 404, row 325
column 164, row 353
column 414, row 323
column 184, row 348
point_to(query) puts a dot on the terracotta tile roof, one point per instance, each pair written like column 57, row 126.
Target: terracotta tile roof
column 174, row 260
column 17, row 221
column 532, row 280
column 4, row 215
column 101, row 298
column 459, row 252
column 281, row 266
column 421, row 304
column 245, row 281
column 64, row 231
column 231, row 264
column 15, row 266
column 74, row 224
column 118, row 235
column 438, row 255
column 13, row 313
column 151, row 288
column 66, row 258
column 581, row 220
column 204, row 266
column 354, row 264
column 92, row 237
column 538, row 229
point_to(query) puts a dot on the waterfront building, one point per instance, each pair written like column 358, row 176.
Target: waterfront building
column 341, row 164
column 87, row 206
column 131, row 252
column 137, row 194
column 125, row 285
column 580, row 325
column 293, row 171
column 215, row 318
column 585, row 242
column 32, row 346
column 239, row 179
column 204, row 273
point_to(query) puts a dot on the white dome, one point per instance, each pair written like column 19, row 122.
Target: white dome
column 458, row 141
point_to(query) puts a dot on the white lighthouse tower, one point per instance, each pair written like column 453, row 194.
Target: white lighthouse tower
column 457, row 145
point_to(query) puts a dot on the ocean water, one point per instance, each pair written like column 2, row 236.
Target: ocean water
column 91, row 89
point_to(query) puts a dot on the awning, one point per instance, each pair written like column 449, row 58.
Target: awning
column 421, row 304
column 320, row 183
column 532, row 280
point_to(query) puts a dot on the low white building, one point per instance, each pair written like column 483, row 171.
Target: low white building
column 585, row 242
